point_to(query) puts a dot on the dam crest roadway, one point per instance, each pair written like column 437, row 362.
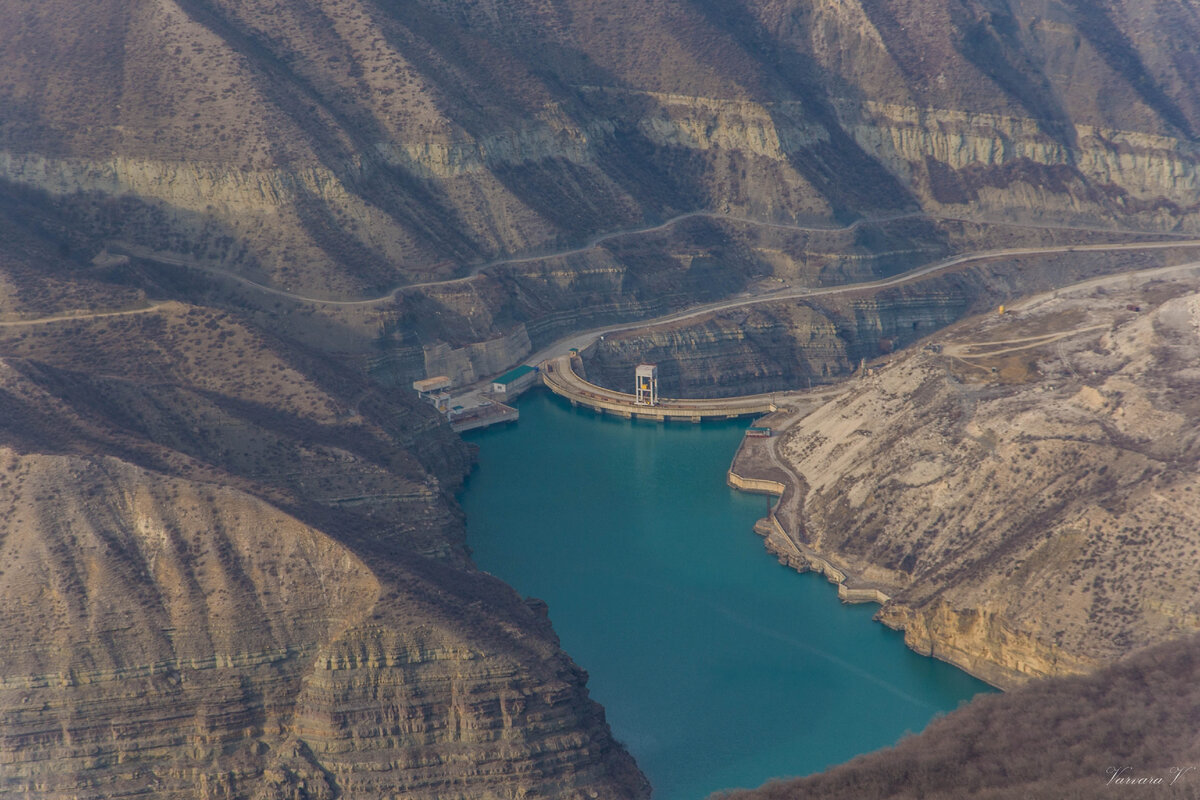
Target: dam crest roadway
column 559, row 376
column 474, row 401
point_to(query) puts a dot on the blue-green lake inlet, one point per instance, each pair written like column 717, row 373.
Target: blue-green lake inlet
column 718, row 667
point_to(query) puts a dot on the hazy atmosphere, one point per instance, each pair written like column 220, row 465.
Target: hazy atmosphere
column 445, row 400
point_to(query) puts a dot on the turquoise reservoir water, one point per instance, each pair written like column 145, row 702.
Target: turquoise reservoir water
column 718, row 667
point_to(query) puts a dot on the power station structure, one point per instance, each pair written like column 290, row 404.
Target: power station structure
column 646, row 385
column 645, row 403
column 435, row 391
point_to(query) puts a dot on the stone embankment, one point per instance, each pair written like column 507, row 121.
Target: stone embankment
column 778, row 542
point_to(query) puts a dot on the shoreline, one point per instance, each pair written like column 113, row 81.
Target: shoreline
column 982, row 632
column 797, row 556
column 851, row 588
column 737, row 605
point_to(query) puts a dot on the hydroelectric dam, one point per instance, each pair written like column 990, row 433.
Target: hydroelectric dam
column 559, row 376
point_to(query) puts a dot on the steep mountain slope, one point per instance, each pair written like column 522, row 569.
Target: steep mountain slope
column 1127, row 728
column 228, row 568
column 348, row 145
column 1022, row 487
column 184, row 183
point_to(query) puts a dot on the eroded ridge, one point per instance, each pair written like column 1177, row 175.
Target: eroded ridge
column 1021, row 488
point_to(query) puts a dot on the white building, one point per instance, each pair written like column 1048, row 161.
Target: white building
column 646, row 384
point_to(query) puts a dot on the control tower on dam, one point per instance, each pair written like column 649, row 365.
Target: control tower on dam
column 560, row 377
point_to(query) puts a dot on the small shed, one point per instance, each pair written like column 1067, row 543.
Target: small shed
column 515, row 381
column 432, row 385
column 434, row 390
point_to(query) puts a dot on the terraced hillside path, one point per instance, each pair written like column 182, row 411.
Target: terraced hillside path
column 966, row 350
column 145, row 253
column 83, row 315
column 583, row 339
column 1178, row 240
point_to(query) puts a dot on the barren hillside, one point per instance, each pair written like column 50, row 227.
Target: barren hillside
column 343, row 148
column 230, row 569
column 232, row 564
column 1022, row 485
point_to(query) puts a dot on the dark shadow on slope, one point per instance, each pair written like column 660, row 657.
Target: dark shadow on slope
column 851, row 180
column 574, row 198
column 578, row 199
column 1096, row 24
column 991, row 43
column 424, row 214
column 334, row 239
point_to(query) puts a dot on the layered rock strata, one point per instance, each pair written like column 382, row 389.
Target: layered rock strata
column 230, row 570
column 1022, row 486
column 349, row 148
column 775, row 346
column 190, row 149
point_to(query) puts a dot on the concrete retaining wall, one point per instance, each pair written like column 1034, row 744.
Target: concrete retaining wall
column 782, row 546
column 754, row 485
column 660, row 413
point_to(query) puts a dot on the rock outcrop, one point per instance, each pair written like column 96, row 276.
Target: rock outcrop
column 1023, row 486
column 343, row 150
column 230, row 570
column 774, row 346
column 788, row 344
column 192, row 641
column 184, row 184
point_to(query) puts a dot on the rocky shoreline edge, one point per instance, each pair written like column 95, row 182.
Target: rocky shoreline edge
column 753, row 472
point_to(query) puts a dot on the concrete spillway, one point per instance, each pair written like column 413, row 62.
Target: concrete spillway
column 561, row 379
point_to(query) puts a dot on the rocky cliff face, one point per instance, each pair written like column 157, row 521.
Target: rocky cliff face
column 232, row 570
column 192, row 641
column 187, row 150
column 787, row 344
column 773, row 346
column 1023, row 484
column 342, row 151
column 345, row 148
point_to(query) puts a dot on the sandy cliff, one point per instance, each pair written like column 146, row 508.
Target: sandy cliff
column 189, row 640
column 231, row 570
column 343, row 148
column 151, row 149
column 808, row 341
column 1022, row 486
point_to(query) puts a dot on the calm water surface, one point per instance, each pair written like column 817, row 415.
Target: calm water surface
column 718, row 667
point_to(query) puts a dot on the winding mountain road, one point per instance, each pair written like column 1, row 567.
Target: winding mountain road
column 585, row 338
column 582, row 340
column 135, row 251
column 125, row 248
column 74, row 317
